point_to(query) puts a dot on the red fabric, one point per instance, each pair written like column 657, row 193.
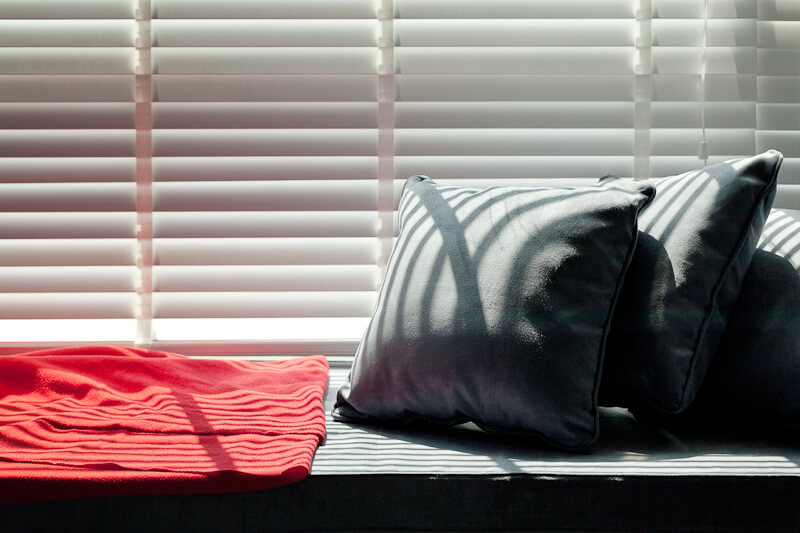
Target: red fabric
column 107, row 420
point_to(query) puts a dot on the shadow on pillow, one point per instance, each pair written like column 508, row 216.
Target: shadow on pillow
column 495, row 309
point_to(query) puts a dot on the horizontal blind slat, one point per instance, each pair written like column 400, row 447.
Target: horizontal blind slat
column 679, row 141
column 717, row 114
column 77, row 225
column 778, row 116
column 302, row 335
column 513, row 167
column 74, row 9
column 25, row 335
column 550, row 114
column 210, row 168
column 779, row 62
column 101, row 33
column 67, row 252
column 299, row 195
column 514, row 87
column 718, row 87
column 72, row 116
column 682, row 32
column 517, row 141
column 67, row 169
column 62, row 197
column 78, row 305
column 512, row 60
column 264, row 88
column 578, row 33
column 788, row 196
column 277, row 9
column 264, row 32
column 783, row 141
column 63, row 60
column 718, row 60
column 584, row 9
column 317, row 61
column 778, row 34
column 265, row 224
column 67, row 88
column 67, row 279
column 259, row 142
column 779, row 89
column 779, row 10
column 265, row 278
column 283, row 115
column 695, row 9
column 255, row 304
column 67, row 143
column 264, row 251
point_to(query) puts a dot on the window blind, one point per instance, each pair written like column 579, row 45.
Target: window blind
column 778, row 84
column 703, row 82
column 264, row 174
column 221, row 177
column 508, row 92
column 67, row 172
column 725, row 72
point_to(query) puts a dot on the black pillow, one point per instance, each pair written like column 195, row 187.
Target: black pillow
column 696, row 241
column 755, row 375
column 495, row 309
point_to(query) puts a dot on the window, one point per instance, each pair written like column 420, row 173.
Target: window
column 67, row 172
column 221, row 177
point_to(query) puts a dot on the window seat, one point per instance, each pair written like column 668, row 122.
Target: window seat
column 378, row 478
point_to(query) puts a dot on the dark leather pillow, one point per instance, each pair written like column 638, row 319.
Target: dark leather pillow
column 696, row 241
column 495, row 309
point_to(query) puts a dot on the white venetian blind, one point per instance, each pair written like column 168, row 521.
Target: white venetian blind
column 264, row 174
column 220, row 177
column 778, row 105
column 514, row 92
column 703, row 82
column 67, row 172
column 726, row 72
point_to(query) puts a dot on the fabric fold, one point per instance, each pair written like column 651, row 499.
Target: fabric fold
column 108, row 420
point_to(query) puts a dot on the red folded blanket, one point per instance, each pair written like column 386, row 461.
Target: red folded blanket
column 106, row 420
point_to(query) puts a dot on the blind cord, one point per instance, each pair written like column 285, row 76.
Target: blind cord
column 703, row 151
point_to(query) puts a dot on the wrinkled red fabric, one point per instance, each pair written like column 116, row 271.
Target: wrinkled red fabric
column 107, row 420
